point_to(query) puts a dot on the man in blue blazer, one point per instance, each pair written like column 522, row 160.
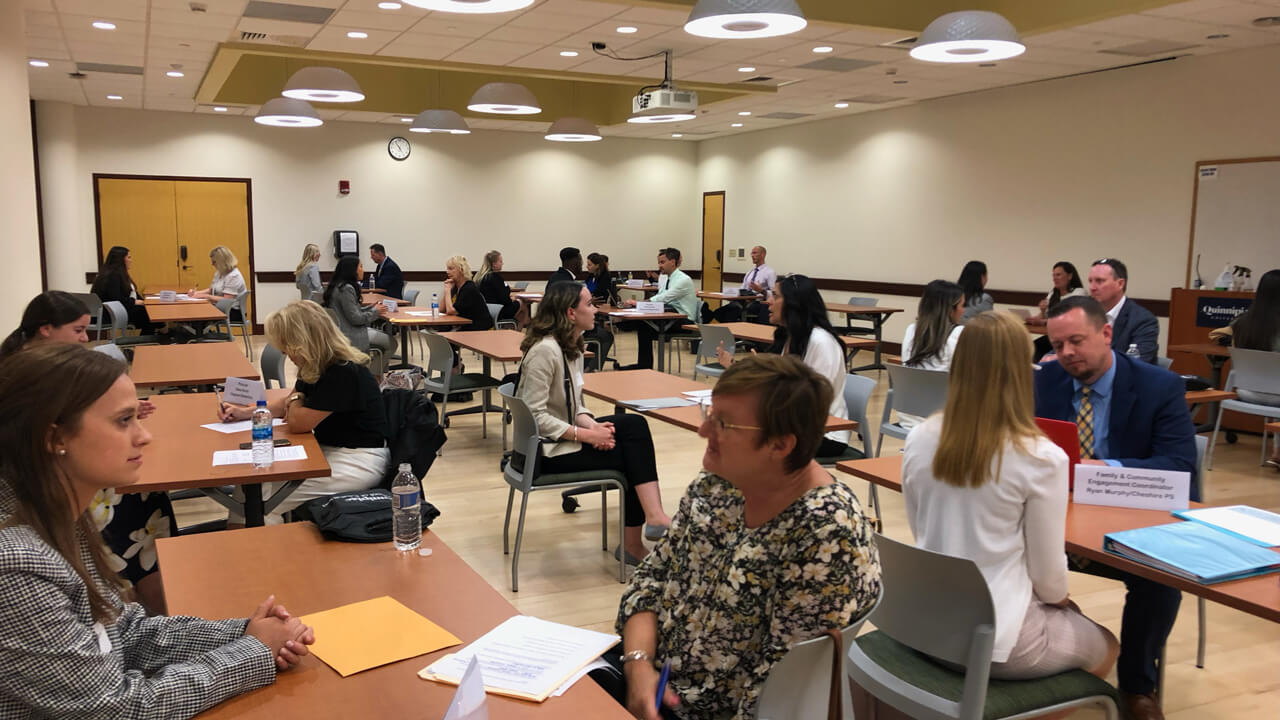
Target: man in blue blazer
column 1131, row 324
column 386, row 274
column 1139, row 418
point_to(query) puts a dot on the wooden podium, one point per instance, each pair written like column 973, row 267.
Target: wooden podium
column 1192, row 314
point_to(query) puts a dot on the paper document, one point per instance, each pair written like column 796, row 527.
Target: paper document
column 1249, row 523
column 593, row 665
column 524, row 657
column 418, row 313
column 238, row 426
column 245, row 457
column 372, row 633
column 659, row 403
column 697, row 394
column 469, row 703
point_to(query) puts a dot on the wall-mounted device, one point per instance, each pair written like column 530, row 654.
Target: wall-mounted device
column 346, row 242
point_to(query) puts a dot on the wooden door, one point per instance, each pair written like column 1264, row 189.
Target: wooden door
column 140, row 215
column 210, row 214
column 712, row 241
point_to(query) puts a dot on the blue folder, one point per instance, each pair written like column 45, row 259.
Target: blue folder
column 1193, row 551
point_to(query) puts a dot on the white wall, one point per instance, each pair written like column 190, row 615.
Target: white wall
column 1072, row 169
column 18, row 188
column 514, row 192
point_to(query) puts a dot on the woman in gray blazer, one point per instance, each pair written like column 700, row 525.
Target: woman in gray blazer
column 342, row 298
column 573, row 440
column 307, row 274
column 69, row 645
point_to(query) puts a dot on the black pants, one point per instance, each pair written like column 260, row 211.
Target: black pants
column 632, row 455
column 1150, row 610
column 611, row 680
column 601, row 334
column 138, row 318
column 726, row 313
column 646, row 336
column 833, row 448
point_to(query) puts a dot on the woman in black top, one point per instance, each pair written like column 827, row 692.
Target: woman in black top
column 335, row 397
column 462, row 297
column 114, row 284
column 604, row 289
column 496, row 291
column 1258, row 328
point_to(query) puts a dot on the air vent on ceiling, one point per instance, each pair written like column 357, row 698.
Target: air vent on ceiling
column 905, row 43
column 284, row 11
column 266, row 39
column 786, row 115
column 874, row 99
column 108, row 68
column 1147, row 48
column 837, row 64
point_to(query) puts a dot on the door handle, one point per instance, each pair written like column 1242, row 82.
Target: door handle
column 717, row 255
column 182, row 252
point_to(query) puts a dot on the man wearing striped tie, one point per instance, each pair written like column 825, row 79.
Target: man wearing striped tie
column 1131, row 414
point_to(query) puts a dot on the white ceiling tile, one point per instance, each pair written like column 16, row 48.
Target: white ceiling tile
column 1184, row 9
column 526, row 35
column 1074, row 39
column 42, row 5
column 334, row 38
column 207, row 33
column 1235, row 13
column 492, row 52
column 423, row 47
column 438, row 24
column 544, row 20
column 230, row 110
column 654, row 16
column 106, row 9
column 277, row 27
column 47, row 50
column 213, row 7
column 585, row 8
column 377, row 19
column 549, row 58
column 169, row 103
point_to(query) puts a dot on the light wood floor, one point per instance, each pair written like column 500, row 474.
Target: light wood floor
column 565, row 577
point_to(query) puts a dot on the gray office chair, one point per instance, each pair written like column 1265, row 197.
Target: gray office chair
column 521, row 474
column 494, row 310
column 227, row 306
column 112, row 351
column 272, row 365
column 410, row 296
column 865, row 326
column 520, row 286
column 857, row 395
column 674, row 339
column 913, row 391
column 937, row 605
column 120, row 322
column 798, row 686
column 1164, row 362
column 707, row 361
column 438, row 377
column 94, row 303
column 1252, row 371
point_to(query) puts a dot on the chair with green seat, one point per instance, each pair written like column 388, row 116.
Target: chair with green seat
column 438, row 378
column 522, row 474
column 941, row 606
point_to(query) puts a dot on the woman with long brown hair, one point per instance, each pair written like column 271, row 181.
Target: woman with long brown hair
column 68, row 644
column 983, row 483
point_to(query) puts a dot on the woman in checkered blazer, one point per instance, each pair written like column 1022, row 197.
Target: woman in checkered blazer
column 69, row 647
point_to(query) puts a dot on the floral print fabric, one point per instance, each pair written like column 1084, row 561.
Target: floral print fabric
column 130, row 524
column 731, row 600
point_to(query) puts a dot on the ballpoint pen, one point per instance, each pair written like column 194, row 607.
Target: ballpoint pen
column 662, row 684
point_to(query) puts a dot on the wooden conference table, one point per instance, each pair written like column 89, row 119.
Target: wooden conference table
column 412, row 316
column 619, row 386
column 755, row 332
column 1086, row 526
column 372, row 298
column 728, row 297
column 877, row 315
column 661, row 323
column 180, row 456
column 227, row 574
column 194, row 310
column 190, row 364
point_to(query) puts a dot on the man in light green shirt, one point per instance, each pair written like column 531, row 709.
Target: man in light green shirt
column 676, row 289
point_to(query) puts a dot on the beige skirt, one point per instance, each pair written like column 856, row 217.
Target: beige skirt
column 1052, row 640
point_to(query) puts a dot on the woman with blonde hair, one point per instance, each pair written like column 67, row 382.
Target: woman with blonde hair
column 496, row 291
column 336, row 397
column 307, row 274
column 70, row 645
column 462, row 297
column 983, row 483
column 227, row 280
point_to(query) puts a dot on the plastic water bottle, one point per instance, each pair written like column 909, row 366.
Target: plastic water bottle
column 1133, row 351
column 435, row 305
column 406, row 512
column 264, row 445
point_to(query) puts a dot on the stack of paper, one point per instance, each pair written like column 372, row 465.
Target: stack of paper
column 1193, row 551
column 659, row 403
column 245, row 457
column 698, row 394
column 524, row 657
column 1247, row 523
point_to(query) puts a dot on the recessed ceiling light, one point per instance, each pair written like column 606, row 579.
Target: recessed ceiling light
column 388, row 6
column 745, row 113
column 406, row 119
column 841, row 105
column 677, row 135
column 1217, row 36
column 471, row 7
column 115, row 97
column 670, row 117
column 104, row 25
column 823, row 49
column 746, row 68
column 568, row 53
column 627, row 30
column 176, row 73
column 357, row 35
column 219, row 108
column 736, row 125
column 37, row 63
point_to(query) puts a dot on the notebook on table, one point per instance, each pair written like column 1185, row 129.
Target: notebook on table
column 1193, row 551
column 1065, row 435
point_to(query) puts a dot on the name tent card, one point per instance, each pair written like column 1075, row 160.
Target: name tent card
column 1132, row 487
column 634, row 283
column 644, row 306
column 244, row 392
column 390, row 305
column 168, row 296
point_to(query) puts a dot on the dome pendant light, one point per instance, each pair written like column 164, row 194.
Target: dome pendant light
column 745, row 19
column 474, row 7
column 968, row 36
column 323, row 84
column 287, row 112
column 440, row 121
column 573, row 129
column 503, row 98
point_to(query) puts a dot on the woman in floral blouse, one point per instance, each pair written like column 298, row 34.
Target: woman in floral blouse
column 767, row 550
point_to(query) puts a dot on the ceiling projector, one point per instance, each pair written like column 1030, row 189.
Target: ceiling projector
column 663, row 104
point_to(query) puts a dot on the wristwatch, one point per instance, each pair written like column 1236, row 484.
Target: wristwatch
column 293, row 398
column 636, row 655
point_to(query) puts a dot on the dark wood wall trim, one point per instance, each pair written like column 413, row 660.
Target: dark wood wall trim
column 35, row 161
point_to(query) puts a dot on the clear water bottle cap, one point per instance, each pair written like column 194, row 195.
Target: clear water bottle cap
column 406, row 468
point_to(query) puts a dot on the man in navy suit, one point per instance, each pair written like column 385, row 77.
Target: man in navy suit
column 386, row 274
column 1131, row 324
column 1131, row 414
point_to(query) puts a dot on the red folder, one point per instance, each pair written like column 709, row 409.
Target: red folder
column 1065, row 435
